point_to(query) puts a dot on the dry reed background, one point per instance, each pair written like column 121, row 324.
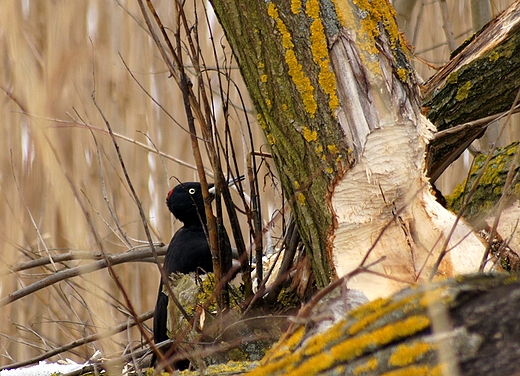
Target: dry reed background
column 54, row 53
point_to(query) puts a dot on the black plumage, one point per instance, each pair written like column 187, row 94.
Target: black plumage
column 188, row 250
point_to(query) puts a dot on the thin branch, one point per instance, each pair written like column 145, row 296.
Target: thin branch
column 151, row 97
column 87, row 255
column 446, row 25
column 38, row 233
column 470, row 195
column 120, row 233
column 81, row 341
column 505, row 192
column 480, row 123
column 106, row 261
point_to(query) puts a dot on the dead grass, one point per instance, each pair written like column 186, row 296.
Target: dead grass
column 57, row 174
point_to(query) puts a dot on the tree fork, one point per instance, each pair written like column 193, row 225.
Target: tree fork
column 332, row 84
column 481, row 79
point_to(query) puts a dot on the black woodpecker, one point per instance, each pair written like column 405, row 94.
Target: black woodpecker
column 188, row 250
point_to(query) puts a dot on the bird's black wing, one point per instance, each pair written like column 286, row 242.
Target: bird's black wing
column 188, row 252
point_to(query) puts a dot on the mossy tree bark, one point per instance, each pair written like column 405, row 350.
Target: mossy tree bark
column 492, row 180
column 339, row 105
column 482, row 79
column 459, row 326
column 283, row 55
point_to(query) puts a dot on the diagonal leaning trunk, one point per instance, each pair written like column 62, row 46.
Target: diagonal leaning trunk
column 337, row 99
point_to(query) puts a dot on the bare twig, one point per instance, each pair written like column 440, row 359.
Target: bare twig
column 106, row 261
column 40, row 237
column 151, row 97
column 140, row 254
column 505, row 191
column 144, row 222
column 480, row 123
column 470, row 195
column 81, row 341
column 120, row 233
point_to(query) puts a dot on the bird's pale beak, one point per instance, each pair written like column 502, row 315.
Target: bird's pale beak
column 231, row 182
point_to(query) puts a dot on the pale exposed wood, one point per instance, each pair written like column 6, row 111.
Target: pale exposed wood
column 386, row 193
column 383, row 205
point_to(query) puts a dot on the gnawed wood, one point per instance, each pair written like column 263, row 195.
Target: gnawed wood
column 383, row 205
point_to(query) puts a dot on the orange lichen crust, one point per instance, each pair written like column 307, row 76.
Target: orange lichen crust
column 368, row 19
column 298, row 76
column 422, row 370
column 407, row 354
column 320, row 53
column 387, row 336
column 369, row 367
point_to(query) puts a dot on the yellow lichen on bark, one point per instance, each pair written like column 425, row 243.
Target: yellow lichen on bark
column 318, row 358
column 320, row 53
column 309, row 134
column 403, row 74
column 407, row 354
column 407, row 304
column 369, row 366
column 494, row 56
column 367, row 21
column 296, row 6
column 283, row 349
column 295, row 68
column 355, row 346
column 333, row 149
column 463, row 91
column 417, row 370
column 366, row 309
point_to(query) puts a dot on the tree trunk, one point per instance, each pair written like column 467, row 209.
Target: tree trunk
column 282, row 53
column 447, row 328
column 339, row 105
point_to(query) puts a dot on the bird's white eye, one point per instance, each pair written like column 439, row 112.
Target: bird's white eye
column 191, row 191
